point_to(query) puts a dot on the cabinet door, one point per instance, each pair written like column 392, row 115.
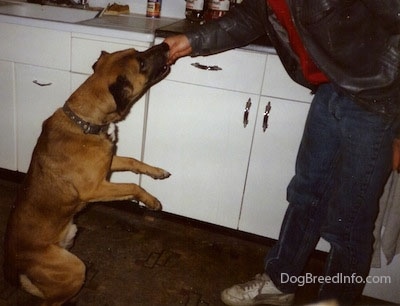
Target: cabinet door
column 8, row 154
column 271, row 166
column 39, row 92
column 197, row 134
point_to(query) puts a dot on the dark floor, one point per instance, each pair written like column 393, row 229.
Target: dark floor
column 137, row 257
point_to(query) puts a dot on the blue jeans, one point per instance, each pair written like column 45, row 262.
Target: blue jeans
column 342, row 165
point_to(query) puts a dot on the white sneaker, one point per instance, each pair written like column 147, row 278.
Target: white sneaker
column 260, row 290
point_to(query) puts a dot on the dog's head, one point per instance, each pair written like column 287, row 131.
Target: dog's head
column 119, row 79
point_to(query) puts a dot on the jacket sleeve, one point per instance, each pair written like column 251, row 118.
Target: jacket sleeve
column 240, row 26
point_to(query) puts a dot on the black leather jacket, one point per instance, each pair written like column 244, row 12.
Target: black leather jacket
column 356, row 43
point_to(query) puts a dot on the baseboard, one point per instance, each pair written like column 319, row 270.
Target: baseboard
column 13, row 176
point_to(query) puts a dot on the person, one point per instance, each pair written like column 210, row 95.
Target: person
column 347, row 53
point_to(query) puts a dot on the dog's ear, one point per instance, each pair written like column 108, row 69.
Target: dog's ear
column 103, row 53
column 122, row 91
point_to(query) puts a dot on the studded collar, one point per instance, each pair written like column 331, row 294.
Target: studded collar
column 87, row 127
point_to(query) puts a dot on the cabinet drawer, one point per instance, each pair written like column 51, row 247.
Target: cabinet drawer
column 35, row 46
column 240, row 70
column 277, row 83
column 85, row 52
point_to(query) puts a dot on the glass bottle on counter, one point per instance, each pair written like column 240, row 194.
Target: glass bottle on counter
column 195, row 10
column 153, row 8
column 217, row 8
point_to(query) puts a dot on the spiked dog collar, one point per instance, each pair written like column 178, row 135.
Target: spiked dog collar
column 87, row 127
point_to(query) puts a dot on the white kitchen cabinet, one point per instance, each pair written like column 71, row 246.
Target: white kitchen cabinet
column 223, row 173
column 197, row 134
column 195, row 131
column 271, row 166
column 8, row 136
column 39, row 92
column 25, row 53
column 273, row 154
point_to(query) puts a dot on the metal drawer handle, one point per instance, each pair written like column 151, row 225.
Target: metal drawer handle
column 266, row 116
column 246, row 113
column 205, row 67
column 41, row 84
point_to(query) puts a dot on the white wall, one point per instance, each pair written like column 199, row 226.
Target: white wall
column 169, row 8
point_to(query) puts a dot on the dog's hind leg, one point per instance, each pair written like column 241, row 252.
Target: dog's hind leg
column 56, row 278
column 120, row 163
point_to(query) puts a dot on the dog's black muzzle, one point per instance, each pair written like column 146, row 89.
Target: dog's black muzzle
column 153, row 62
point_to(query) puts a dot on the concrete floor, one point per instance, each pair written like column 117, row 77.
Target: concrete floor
column 138, row 257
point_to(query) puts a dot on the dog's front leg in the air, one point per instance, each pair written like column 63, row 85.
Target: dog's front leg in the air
column 120, row 163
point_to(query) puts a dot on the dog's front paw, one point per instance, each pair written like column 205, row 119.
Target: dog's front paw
column 160, row 174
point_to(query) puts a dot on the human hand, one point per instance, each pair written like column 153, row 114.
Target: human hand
column 396, row 154
column 179, row 46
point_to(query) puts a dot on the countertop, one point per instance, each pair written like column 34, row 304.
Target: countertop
column 132, row 27
column 130, row 23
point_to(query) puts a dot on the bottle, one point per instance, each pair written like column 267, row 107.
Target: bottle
column 217, row 8
column 195, row 10
column 153, row 8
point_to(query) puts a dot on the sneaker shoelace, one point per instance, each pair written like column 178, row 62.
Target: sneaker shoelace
column 258, row 282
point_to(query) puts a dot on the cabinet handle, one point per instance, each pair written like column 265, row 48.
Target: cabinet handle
column 266, row 116
column 246, row 113
column 41, row 83
column 205, row 67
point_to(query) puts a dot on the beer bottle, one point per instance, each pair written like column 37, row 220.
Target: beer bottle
column 195, row 10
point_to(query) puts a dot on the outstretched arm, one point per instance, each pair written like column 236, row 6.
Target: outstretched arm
column 240, row 26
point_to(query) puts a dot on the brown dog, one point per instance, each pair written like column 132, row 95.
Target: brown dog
column 70, row 165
